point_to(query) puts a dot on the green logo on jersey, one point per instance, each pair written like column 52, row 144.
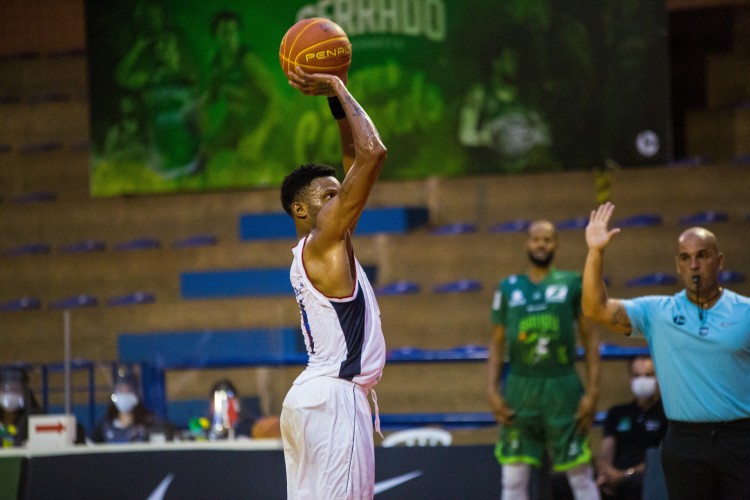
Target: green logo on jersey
column 536, row 334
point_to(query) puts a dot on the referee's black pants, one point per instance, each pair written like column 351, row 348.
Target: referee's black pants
column 707, row 460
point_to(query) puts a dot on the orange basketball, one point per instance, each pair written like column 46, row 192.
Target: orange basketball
column 317, row 45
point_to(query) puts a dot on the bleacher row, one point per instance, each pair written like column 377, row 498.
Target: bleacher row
column 225, row 283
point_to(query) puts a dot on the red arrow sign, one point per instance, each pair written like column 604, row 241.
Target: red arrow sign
column 59, row 427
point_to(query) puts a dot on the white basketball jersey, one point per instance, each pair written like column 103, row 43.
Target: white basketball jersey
column 343, row 336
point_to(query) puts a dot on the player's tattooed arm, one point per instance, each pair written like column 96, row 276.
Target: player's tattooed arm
column 619, row 319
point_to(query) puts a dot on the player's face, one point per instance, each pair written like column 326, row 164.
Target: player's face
column 541, row 244
column 321, row 191
column 699, row 256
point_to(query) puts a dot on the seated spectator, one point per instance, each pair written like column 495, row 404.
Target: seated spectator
column 226, row 416
column 127, row 419
column 17, row 402
column 629, row 430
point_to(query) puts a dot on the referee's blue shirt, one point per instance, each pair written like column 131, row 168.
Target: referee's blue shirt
column 702, row 363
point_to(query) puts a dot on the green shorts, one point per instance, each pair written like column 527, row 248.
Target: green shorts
column 545, row 409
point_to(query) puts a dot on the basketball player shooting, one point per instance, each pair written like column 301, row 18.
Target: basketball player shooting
column 326, row 421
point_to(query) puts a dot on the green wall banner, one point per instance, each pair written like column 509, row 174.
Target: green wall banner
column 188, row 95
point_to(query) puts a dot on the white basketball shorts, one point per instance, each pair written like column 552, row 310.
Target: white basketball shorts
column 326, row 427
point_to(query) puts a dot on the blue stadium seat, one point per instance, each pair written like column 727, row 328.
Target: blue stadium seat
column 459, row 286
column 639, row 220
column 691, row 161
column 415, row 354
column 48, row 96
column 29, row 249
column 212, row 348
column 409, row 354
column 216, row 284
column 196, row 240
column 398, row 288
column 21, row 304
column 132, row 299
column 395, row 421
column 727, row 276
column 36, row 197
column 652, row 279
column 512, row 226
column 82, row 300
column 706, row 217
column 84, row 246
column 276, row 225
column 41, row 147
column 470, row 350
column 464, row 420
column 574, row 223
column 81, row 145
column 162, row 350
column 139, row 244
column 455, row 228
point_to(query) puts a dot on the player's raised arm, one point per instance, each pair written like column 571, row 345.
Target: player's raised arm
column 348, row 151
column 342, row 212
column 595, row 301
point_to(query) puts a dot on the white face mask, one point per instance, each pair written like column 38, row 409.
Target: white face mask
column 11, row 401
column 643, row 386
column 125, row 401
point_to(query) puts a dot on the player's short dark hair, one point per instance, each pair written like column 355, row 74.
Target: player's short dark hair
column 299, row 179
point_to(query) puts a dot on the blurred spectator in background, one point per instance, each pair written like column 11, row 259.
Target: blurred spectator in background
column 127, row 419
column 629, row 430
column 230, row 418
column 17, row 402
column 227, row 417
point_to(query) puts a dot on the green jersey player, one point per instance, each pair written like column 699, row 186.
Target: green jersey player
column 543, row 405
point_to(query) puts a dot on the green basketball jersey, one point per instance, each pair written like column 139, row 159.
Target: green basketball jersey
column 540, row 322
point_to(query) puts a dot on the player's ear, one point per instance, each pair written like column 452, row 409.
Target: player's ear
column 299, row 209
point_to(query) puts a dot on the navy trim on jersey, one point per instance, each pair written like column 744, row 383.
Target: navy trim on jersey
column 351, row 316
column 306, row 323
column 354, row 437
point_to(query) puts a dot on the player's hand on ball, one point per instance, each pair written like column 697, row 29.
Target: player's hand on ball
column 314, row 83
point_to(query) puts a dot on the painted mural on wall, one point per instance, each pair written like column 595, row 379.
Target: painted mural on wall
column 189, row 95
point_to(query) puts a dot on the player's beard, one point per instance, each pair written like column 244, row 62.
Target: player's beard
column 544, row 262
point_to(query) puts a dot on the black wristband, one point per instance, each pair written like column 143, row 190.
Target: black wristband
column 337, row 110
